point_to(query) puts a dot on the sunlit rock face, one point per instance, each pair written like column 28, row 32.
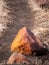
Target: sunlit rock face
column 25, row 42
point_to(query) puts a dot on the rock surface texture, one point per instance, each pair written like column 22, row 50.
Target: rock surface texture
column 15, row 14
column 26, row 42
column 17, row 58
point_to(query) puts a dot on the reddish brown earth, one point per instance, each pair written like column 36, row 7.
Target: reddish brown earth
column 17, row 14
column 17, row 58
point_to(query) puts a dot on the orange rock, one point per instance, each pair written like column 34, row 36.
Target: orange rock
column 26, row 42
